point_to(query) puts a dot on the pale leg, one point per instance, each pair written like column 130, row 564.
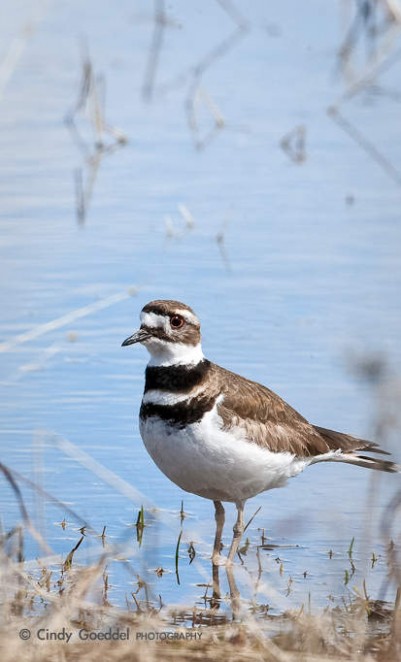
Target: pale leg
column 219, row 517
column 238, row 531
column 234, row 592
column 216, row 596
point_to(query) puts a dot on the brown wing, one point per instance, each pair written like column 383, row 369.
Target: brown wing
column 270, row 422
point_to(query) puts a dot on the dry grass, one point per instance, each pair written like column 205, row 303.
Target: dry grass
column 54, row 597
column 359, row 631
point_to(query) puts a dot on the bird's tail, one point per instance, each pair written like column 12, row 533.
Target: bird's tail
column 344, row 448
column 368, row 462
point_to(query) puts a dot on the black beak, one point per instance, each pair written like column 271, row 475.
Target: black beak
column 138, row 336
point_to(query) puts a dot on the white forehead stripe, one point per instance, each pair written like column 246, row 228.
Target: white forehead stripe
column 188, row 316
column 154, row 320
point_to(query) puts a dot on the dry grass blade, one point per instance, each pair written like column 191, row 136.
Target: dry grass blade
column 90, row 107
column 8, row 474
column 177, row 556
column 160, row 23
column 198, row 98
column 68, row 561
column 375, row 23
column 52, row 499
column 293, row 144
column 13, row 55
column 368, row 147
column 64, row 320
column 252, row 518
column 140, row 525
column 79, row 196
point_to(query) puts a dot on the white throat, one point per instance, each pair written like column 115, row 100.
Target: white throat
column 164, row 353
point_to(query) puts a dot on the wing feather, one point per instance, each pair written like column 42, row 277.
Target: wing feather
column 267, row 420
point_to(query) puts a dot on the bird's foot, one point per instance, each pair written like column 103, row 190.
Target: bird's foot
column 218, row 559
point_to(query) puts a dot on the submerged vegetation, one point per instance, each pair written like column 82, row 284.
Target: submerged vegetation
column 61, row 605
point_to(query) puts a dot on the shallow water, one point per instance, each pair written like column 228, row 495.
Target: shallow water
column 292, row 268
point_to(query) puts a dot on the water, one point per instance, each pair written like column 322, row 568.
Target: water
column 291, row 267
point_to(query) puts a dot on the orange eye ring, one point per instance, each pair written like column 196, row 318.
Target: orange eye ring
column 176, row 321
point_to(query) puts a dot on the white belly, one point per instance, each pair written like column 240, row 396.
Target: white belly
column 214, row 463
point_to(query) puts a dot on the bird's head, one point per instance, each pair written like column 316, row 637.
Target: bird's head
column 170, row 331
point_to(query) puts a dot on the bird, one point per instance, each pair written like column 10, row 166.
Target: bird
column 222, row 436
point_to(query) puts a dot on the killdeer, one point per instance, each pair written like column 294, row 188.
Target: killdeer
column 220, row 435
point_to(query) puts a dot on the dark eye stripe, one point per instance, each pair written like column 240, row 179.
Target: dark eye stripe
column 189, row 334
column 157, row 332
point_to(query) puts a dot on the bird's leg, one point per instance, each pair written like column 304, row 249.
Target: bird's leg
column 219, row 517
column 234, row 592
column 238, row 531
column 216, row 595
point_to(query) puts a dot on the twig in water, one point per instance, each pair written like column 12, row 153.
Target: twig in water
column 293, row 144
column 252, row 518
column 79, row 196
column 197, row 70
column 350, row 548
column 160, row 22
column 10, row 477
column 140, row 525
column 220, row 239
column 187, row 216
column 68, row 562
column 196, row 98
column 10, row 61
column 177, row 550
column 90, row 105
column 365, row 144
column 191, row 552
column 366, row 25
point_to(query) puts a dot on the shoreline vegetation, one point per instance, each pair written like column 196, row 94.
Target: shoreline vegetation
column 58, row 608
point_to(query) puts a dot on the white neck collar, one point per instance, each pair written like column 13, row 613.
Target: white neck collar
column 175, row 354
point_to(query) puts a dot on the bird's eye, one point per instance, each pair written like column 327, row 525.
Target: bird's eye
column 176, row 321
